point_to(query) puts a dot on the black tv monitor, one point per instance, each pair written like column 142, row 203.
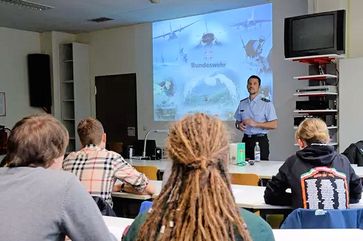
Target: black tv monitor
column 315, row 34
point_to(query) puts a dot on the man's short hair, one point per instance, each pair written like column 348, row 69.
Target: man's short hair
column 36, row 140
column 254, row 77
column 90, row 131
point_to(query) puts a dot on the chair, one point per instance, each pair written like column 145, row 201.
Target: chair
column 149, row 171
column 328, row 218
column 354, row 152
column 245, row 179
column 104, row 207
column 145, row 206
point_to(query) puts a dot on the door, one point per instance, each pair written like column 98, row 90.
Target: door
column 116, row 108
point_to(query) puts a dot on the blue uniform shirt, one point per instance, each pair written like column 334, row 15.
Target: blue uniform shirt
column 259, row 109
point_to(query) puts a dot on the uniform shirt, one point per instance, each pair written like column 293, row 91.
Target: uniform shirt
column 98, row 169
column 259, row 109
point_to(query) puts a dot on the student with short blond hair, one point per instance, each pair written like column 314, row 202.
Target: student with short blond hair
column 318, row 176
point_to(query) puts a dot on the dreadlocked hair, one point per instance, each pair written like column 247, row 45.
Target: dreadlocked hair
column 197, row 202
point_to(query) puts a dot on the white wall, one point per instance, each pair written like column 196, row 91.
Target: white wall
column 14, row 47
column 129, row 49
column 350, row 95
column 355, row 29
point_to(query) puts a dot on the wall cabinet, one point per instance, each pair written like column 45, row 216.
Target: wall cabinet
column 75, row 88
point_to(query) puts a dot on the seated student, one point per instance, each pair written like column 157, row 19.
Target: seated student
column 40, row 204
column 197, row 202
column 98, row 169
column 319, row 177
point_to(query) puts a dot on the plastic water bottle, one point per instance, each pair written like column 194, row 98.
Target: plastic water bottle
column 130, row 152
column 257, row 152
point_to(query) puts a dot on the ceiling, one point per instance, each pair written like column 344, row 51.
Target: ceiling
column 73, row 16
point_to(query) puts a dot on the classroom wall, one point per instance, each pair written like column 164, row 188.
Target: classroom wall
column 128, row 49
column 14, row 47
column 355, row 19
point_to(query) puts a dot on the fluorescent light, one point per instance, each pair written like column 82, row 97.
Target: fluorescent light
column 28, row 4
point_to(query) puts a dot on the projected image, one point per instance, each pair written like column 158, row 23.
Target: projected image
column 201, row 63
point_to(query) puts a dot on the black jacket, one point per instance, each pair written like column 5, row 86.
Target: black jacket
column 290, row 173
column 354, row 152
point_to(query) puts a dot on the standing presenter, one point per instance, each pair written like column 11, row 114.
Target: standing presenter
column 255, row 116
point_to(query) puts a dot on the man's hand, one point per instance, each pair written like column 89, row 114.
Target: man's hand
column 249, row 122
column 242, row 126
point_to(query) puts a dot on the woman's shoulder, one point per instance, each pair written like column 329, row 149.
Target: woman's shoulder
column 258, row 228
column 133, row 230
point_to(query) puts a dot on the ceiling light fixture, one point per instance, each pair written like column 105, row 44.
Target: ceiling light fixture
column 28, row 4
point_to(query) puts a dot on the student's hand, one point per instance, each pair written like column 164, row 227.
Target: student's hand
column 117, row 187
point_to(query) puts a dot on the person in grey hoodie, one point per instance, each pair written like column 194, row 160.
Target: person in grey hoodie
column 37, row 202
column 318, row 176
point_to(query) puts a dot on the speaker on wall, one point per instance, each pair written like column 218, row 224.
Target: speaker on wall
column 39, row 81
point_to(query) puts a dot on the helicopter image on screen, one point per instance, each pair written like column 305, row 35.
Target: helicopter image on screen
column 172, row 34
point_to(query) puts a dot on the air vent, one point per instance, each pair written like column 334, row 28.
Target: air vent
column 100, row 20
column 27, row 4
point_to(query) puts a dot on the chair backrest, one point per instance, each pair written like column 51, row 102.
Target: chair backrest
column 145, row 206
column 319, row 218
column 354, row 152
column 149, row 171
column 104, row 207
column 245, row 179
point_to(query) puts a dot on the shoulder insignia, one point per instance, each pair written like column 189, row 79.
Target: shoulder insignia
column 244, row 99
column 265, row 99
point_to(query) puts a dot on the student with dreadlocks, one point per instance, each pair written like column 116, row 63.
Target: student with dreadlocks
column 197, row 202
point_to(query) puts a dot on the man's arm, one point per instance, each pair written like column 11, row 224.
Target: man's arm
column 269, row 125
column 149, row 189
column 134, row 181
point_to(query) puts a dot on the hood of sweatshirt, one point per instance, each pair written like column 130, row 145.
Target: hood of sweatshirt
column 317, row 154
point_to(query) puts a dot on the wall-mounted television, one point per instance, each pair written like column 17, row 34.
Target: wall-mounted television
column 315, row 34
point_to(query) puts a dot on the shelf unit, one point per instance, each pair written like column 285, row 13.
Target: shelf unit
column 75, row 86
column 322, row 72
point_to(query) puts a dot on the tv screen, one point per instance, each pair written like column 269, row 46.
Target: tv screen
column 201, row 63
column 315, row 34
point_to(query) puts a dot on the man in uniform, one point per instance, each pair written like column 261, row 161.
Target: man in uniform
column 254, row 116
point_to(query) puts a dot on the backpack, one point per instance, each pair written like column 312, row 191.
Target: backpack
column 354, row 152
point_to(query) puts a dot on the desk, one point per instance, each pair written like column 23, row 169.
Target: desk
column 116, row 225
column 263, row 169
column 250, row 197
column 318, row 234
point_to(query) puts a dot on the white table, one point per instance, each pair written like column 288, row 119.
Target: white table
column 250, row 197
column 318, row 234
column 263, row 169
column 117, row 225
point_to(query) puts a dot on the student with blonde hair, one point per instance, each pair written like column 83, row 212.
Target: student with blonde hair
column 197, row 203
column 40, row 204
column 318, row 176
